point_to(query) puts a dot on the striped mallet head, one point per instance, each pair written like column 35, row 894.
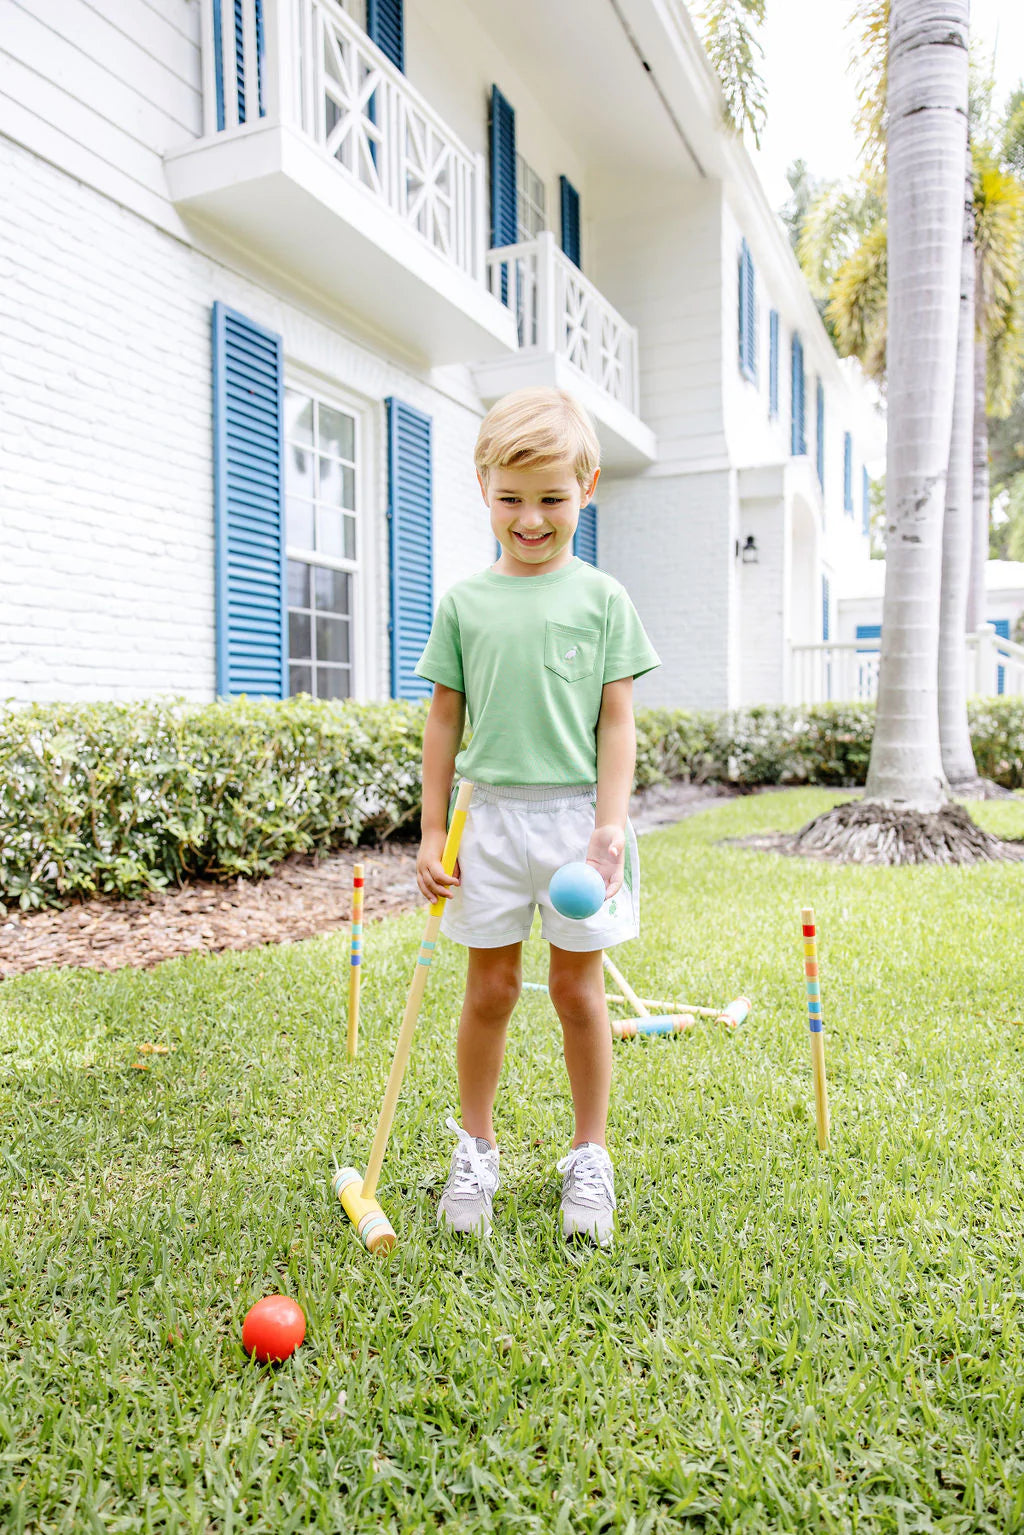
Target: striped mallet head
column 629, row 1028
column 733, row 1015
column 373, row 1228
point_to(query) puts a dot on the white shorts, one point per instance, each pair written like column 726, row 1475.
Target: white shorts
column 513, row 841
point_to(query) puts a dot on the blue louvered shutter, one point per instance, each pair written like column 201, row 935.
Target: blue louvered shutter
column 385, row 26
column 410, row 502
column 584, row 542
column 773, row 364
column 820, row 442
column 248, row 412
column 798, row 440
column 826, row 615
column 747, row 315
column 504, row 224
column 847, row 473
column 570, row 200
column 865, row 506
column 236, row 78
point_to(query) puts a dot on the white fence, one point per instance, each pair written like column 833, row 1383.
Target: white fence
column 848, row 672
column 307, row 63
column 560, row 310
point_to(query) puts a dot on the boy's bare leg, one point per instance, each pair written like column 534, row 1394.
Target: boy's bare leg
column 576, row 985
column 493, row 984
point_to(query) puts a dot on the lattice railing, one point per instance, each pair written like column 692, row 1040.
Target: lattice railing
column 558, row 309
column 308, row 63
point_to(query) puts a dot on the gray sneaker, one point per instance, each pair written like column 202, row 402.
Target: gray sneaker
column 588, row 1193
column 466, row 1199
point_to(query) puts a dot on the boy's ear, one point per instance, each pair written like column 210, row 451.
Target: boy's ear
column 588, row 495
column 480, row 482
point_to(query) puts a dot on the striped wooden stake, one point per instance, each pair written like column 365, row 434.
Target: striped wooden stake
column 356, row 960
column 817, row 1027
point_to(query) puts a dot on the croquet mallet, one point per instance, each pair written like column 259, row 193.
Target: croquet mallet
column 355, row 967
column 643, row 1023
column 358, row 1195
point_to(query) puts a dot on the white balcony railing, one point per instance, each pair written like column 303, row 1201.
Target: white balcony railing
column 558, row 310
column 848, row 671
column 306, row 63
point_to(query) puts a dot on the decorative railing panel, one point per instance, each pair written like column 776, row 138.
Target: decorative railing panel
column 559, row 310
column 307, row 63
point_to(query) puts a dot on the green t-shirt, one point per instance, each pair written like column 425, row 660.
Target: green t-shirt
column 532, row 654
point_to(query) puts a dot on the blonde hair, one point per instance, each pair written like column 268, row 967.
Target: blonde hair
column 534, row 427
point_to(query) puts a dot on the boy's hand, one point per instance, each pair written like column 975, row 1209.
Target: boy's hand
column 430, row 875
column 606, row 852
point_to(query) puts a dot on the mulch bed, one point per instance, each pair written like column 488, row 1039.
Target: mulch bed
column 303, row 896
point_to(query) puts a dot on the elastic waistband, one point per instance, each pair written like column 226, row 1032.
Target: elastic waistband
column 535, row 796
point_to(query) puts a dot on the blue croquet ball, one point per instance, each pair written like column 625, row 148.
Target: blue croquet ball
column 577, row 890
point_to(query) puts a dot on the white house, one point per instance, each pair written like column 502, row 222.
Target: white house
column 265, row 263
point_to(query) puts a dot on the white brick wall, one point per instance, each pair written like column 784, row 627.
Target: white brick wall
column 667, row 540
column 106, row 503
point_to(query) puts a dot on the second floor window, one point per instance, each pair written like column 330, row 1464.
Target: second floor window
column 323, row 544
column 531, row 210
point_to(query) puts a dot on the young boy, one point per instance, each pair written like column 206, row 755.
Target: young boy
column 541, row 650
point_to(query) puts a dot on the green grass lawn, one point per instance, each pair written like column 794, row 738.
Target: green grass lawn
column 780, row 1340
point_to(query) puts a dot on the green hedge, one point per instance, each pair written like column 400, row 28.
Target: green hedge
column 124, row 798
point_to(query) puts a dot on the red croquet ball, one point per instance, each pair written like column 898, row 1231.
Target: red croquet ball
column 273, row 1328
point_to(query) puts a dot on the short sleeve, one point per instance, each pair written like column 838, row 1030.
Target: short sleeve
column 628, row 651
column 441, row 661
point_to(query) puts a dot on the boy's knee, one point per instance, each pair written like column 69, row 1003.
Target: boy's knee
column 495, row 988
column 574, row 996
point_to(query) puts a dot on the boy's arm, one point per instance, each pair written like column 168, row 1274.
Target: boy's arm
column 442, row 737
column 616, row 762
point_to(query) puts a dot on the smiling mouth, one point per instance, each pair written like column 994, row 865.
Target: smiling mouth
column 531, row 542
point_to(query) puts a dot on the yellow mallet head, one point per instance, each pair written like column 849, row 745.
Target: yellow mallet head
column 373, row 1228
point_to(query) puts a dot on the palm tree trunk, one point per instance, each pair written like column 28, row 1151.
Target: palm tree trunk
column 979, row 541
column 957, row 531
column 926, row 157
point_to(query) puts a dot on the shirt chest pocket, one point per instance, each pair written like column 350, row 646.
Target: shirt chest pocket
column 570, row 652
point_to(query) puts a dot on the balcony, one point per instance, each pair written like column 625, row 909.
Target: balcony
column 570, row 337
column 319, row 158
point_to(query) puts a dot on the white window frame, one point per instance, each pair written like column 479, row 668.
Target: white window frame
column 363, row 569
column 522, row 233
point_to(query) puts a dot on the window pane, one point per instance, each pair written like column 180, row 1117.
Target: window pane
column 332, row 639
column 330, row 535
column 298, row 585
column 333, row 682
column 333, row 591
column 300, row 680
column 298, row 416
column 337, row 433
column 337, row 484
column 299, row 636
column 349, row 530
column 298, row 471
column 299, row 524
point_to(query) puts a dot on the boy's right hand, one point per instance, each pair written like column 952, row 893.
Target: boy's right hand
column 430, row 875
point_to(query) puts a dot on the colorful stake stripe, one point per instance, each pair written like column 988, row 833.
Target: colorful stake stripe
column 811, row 976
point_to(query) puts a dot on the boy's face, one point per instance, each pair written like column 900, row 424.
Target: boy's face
column 534, row 513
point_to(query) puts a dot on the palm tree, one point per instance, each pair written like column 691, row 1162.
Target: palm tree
column 926, row 154
column 954, row 735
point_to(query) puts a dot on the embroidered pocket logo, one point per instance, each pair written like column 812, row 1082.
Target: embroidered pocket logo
column 570, row 655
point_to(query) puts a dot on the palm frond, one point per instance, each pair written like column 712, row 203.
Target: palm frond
column 834, row 225
column 857, row 308
column 734, row 48
column 870, row 20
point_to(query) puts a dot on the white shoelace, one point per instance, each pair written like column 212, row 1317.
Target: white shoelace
column 591, row 1170
column 472, row 1175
